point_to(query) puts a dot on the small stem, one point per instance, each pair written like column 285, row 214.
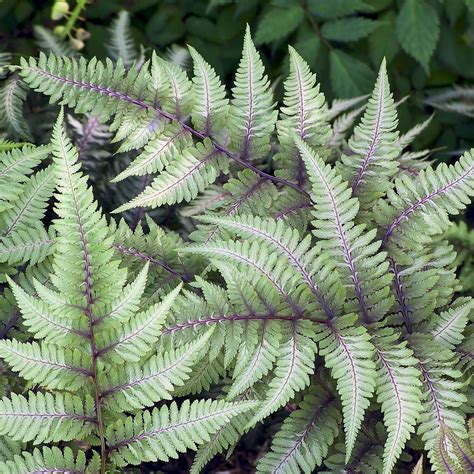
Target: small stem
column 314, row 25
column 80, row 5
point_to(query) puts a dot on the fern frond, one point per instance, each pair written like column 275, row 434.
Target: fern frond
column 374, row 146
column 84, row 251
column 29, row 208
column 135, row 386
column 351, row 245
column 441, row 389
column 42, row 321
column 47, row 460
column 16, row 165
column 128, row 302
column 287, row 243
column 188, row 175
column 50, row 43
column 305, row 436
column 210, row 104
column 136, row 337
column 451, row 323
column 419, row 207
column 304, row 114
column 47, row 365
column 251, row 117
column 255, row 361
column 398, row 392
column 12, row 96
column 294, row 365
column 7, row 145
column 158, row 153
column 31, row 244
column 349, row 354
column 224, row 438
column 248, row 258
column 121, row 44
column 452, row 454
column 167, row 431
column 43, row 418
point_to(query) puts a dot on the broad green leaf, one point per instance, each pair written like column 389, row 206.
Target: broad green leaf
column 349, row 29
column 349, row 76
column 277, row 23
column 418, row 30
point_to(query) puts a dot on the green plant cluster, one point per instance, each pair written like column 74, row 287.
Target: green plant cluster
column 201, row 270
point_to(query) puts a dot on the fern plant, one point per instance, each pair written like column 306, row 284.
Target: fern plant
column 96, row 357
column 318, row 281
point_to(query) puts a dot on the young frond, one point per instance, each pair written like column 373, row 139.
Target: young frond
column 210, row 104
column 84, row 253
column 51, row 43
column 252, row 116
column 374, row 147
column 304, row 114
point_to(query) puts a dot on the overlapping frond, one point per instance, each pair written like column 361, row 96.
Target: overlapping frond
column 167, row 431
column 15, row 166
column 398, row 392
column 137, row 336
column 292, row 371
column 355, row 249
column 418, row 208
column 28, row 209
column 441, row 392
column 31, row 244
column 135, row 386
column 184, row 178
column 449, row 328
column 43, row 418
column 305, row 437
column 47, row 365
column 225, row 438
column 49, row 460
column 349, row 354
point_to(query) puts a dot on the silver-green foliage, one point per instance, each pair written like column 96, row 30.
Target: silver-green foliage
column 325, row 289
